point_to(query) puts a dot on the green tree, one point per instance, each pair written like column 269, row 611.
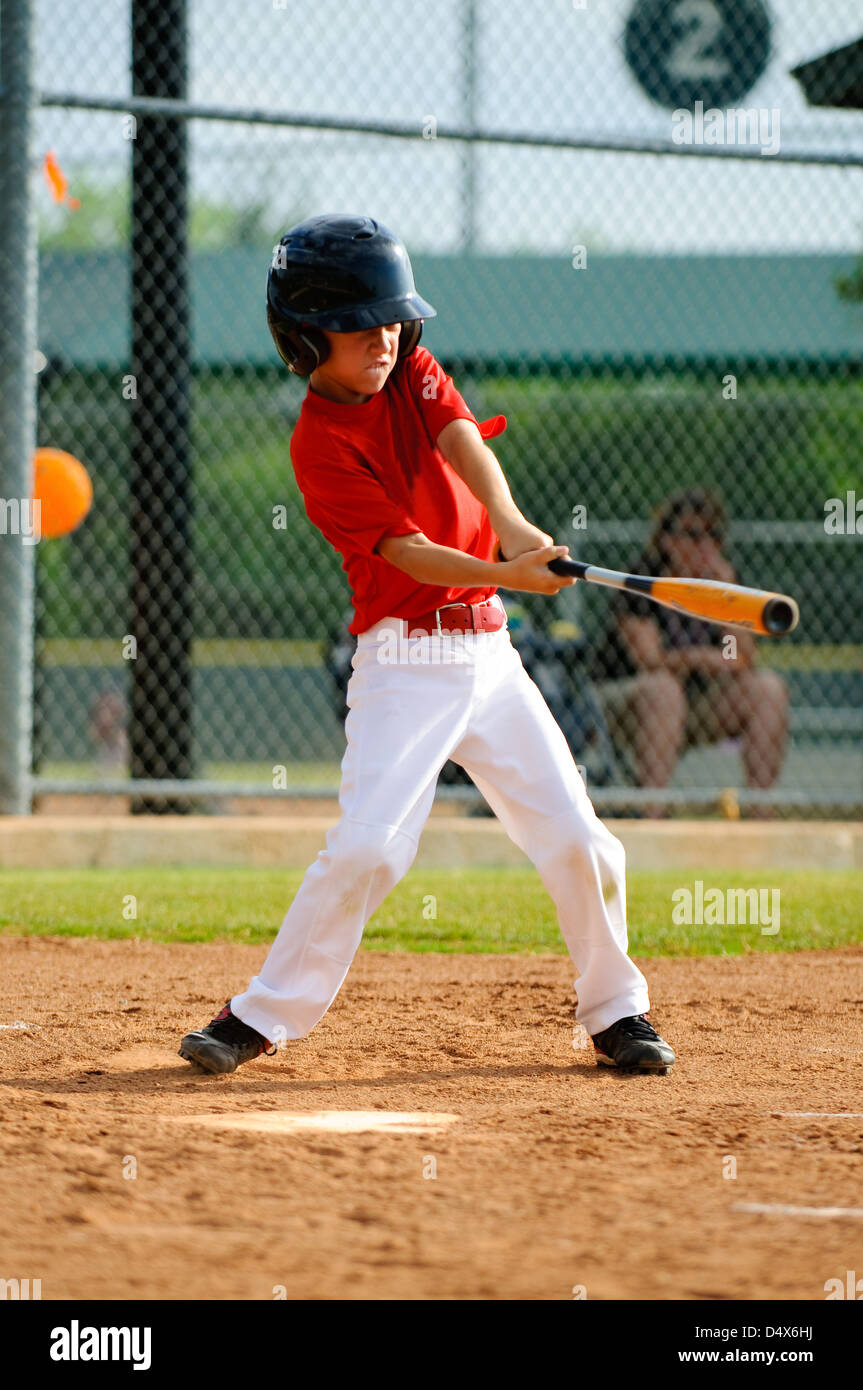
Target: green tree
column 103, row 221
column 850, row 287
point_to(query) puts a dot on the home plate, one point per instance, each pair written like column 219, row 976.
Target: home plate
column 779, row 1209
column 333, row 1121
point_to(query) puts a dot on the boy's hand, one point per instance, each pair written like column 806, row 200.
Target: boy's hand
column 518, row 536
column 530, row 573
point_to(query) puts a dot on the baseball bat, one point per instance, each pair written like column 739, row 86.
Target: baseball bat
column 772, row 615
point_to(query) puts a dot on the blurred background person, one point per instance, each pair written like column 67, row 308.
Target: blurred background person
column 108, row 733
column 668, row 681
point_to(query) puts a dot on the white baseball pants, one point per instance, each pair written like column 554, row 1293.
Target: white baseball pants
column 413, row 703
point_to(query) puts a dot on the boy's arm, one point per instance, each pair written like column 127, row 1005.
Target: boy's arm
column 430, row 563
column 461, row 445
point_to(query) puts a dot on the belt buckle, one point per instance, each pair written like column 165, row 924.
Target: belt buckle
column 438, row 612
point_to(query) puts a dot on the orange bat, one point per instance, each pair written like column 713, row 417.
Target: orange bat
column 772, row 615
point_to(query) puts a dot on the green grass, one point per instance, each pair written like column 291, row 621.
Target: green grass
column 494, row 910
column 300, row 773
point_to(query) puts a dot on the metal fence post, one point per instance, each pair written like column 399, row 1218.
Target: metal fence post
column 162, row 580
column 18, row 282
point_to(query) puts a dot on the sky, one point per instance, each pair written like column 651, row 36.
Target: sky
column 549, row 67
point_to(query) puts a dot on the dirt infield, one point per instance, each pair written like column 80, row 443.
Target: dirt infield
column 553, row 1176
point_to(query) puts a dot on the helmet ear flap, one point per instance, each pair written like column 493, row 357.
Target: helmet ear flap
column 409, row 336
column 311, row 349
column 302, row 348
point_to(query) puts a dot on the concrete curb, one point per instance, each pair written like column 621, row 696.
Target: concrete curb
column 292, row 842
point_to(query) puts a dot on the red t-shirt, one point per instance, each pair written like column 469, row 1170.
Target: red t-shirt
column 373, row 470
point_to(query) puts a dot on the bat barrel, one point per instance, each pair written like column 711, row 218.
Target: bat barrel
column 780, row 615
column 773, row 614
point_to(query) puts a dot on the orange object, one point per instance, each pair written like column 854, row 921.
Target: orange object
column 63, row 488
column 57, row 182
column 758, row 609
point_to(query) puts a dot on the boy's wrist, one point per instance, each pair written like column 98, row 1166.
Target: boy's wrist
column 518, row 535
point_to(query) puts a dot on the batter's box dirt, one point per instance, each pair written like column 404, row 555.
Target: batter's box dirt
column 304, row 1172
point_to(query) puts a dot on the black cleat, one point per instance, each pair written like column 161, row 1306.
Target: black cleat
column 224, row 1043
column 633, row 1044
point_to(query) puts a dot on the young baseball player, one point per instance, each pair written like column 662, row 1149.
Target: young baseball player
column 394, row 471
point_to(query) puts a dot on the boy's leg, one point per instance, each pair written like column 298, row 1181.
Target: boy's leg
column 403, row 720
column 520, row 761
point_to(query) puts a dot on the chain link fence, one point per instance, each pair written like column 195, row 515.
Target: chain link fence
column 642, row 231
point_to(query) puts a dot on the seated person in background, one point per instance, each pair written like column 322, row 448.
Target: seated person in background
column 108, row 731
column 667, row 680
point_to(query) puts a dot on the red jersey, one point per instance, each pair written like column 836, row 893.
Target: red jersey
column 373, row 470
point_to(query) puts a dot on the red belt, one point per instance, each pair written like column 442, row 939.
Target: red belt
column 459, row 617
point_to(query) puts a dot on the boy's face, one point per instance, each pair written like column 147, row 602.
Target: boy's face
column 358, row 365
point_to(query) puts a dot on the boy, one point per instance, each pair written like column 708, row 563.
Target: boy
column 393, row 470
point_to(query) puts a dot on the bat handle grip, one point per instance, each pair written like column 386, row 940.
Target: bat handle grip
column 570, row 569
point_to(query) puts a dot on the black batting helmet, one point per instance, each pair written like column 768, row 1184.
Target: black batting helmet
column 342, row 273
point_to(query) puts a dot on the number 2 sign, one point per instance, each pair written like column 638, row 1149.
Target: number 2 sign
column 683, row 51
